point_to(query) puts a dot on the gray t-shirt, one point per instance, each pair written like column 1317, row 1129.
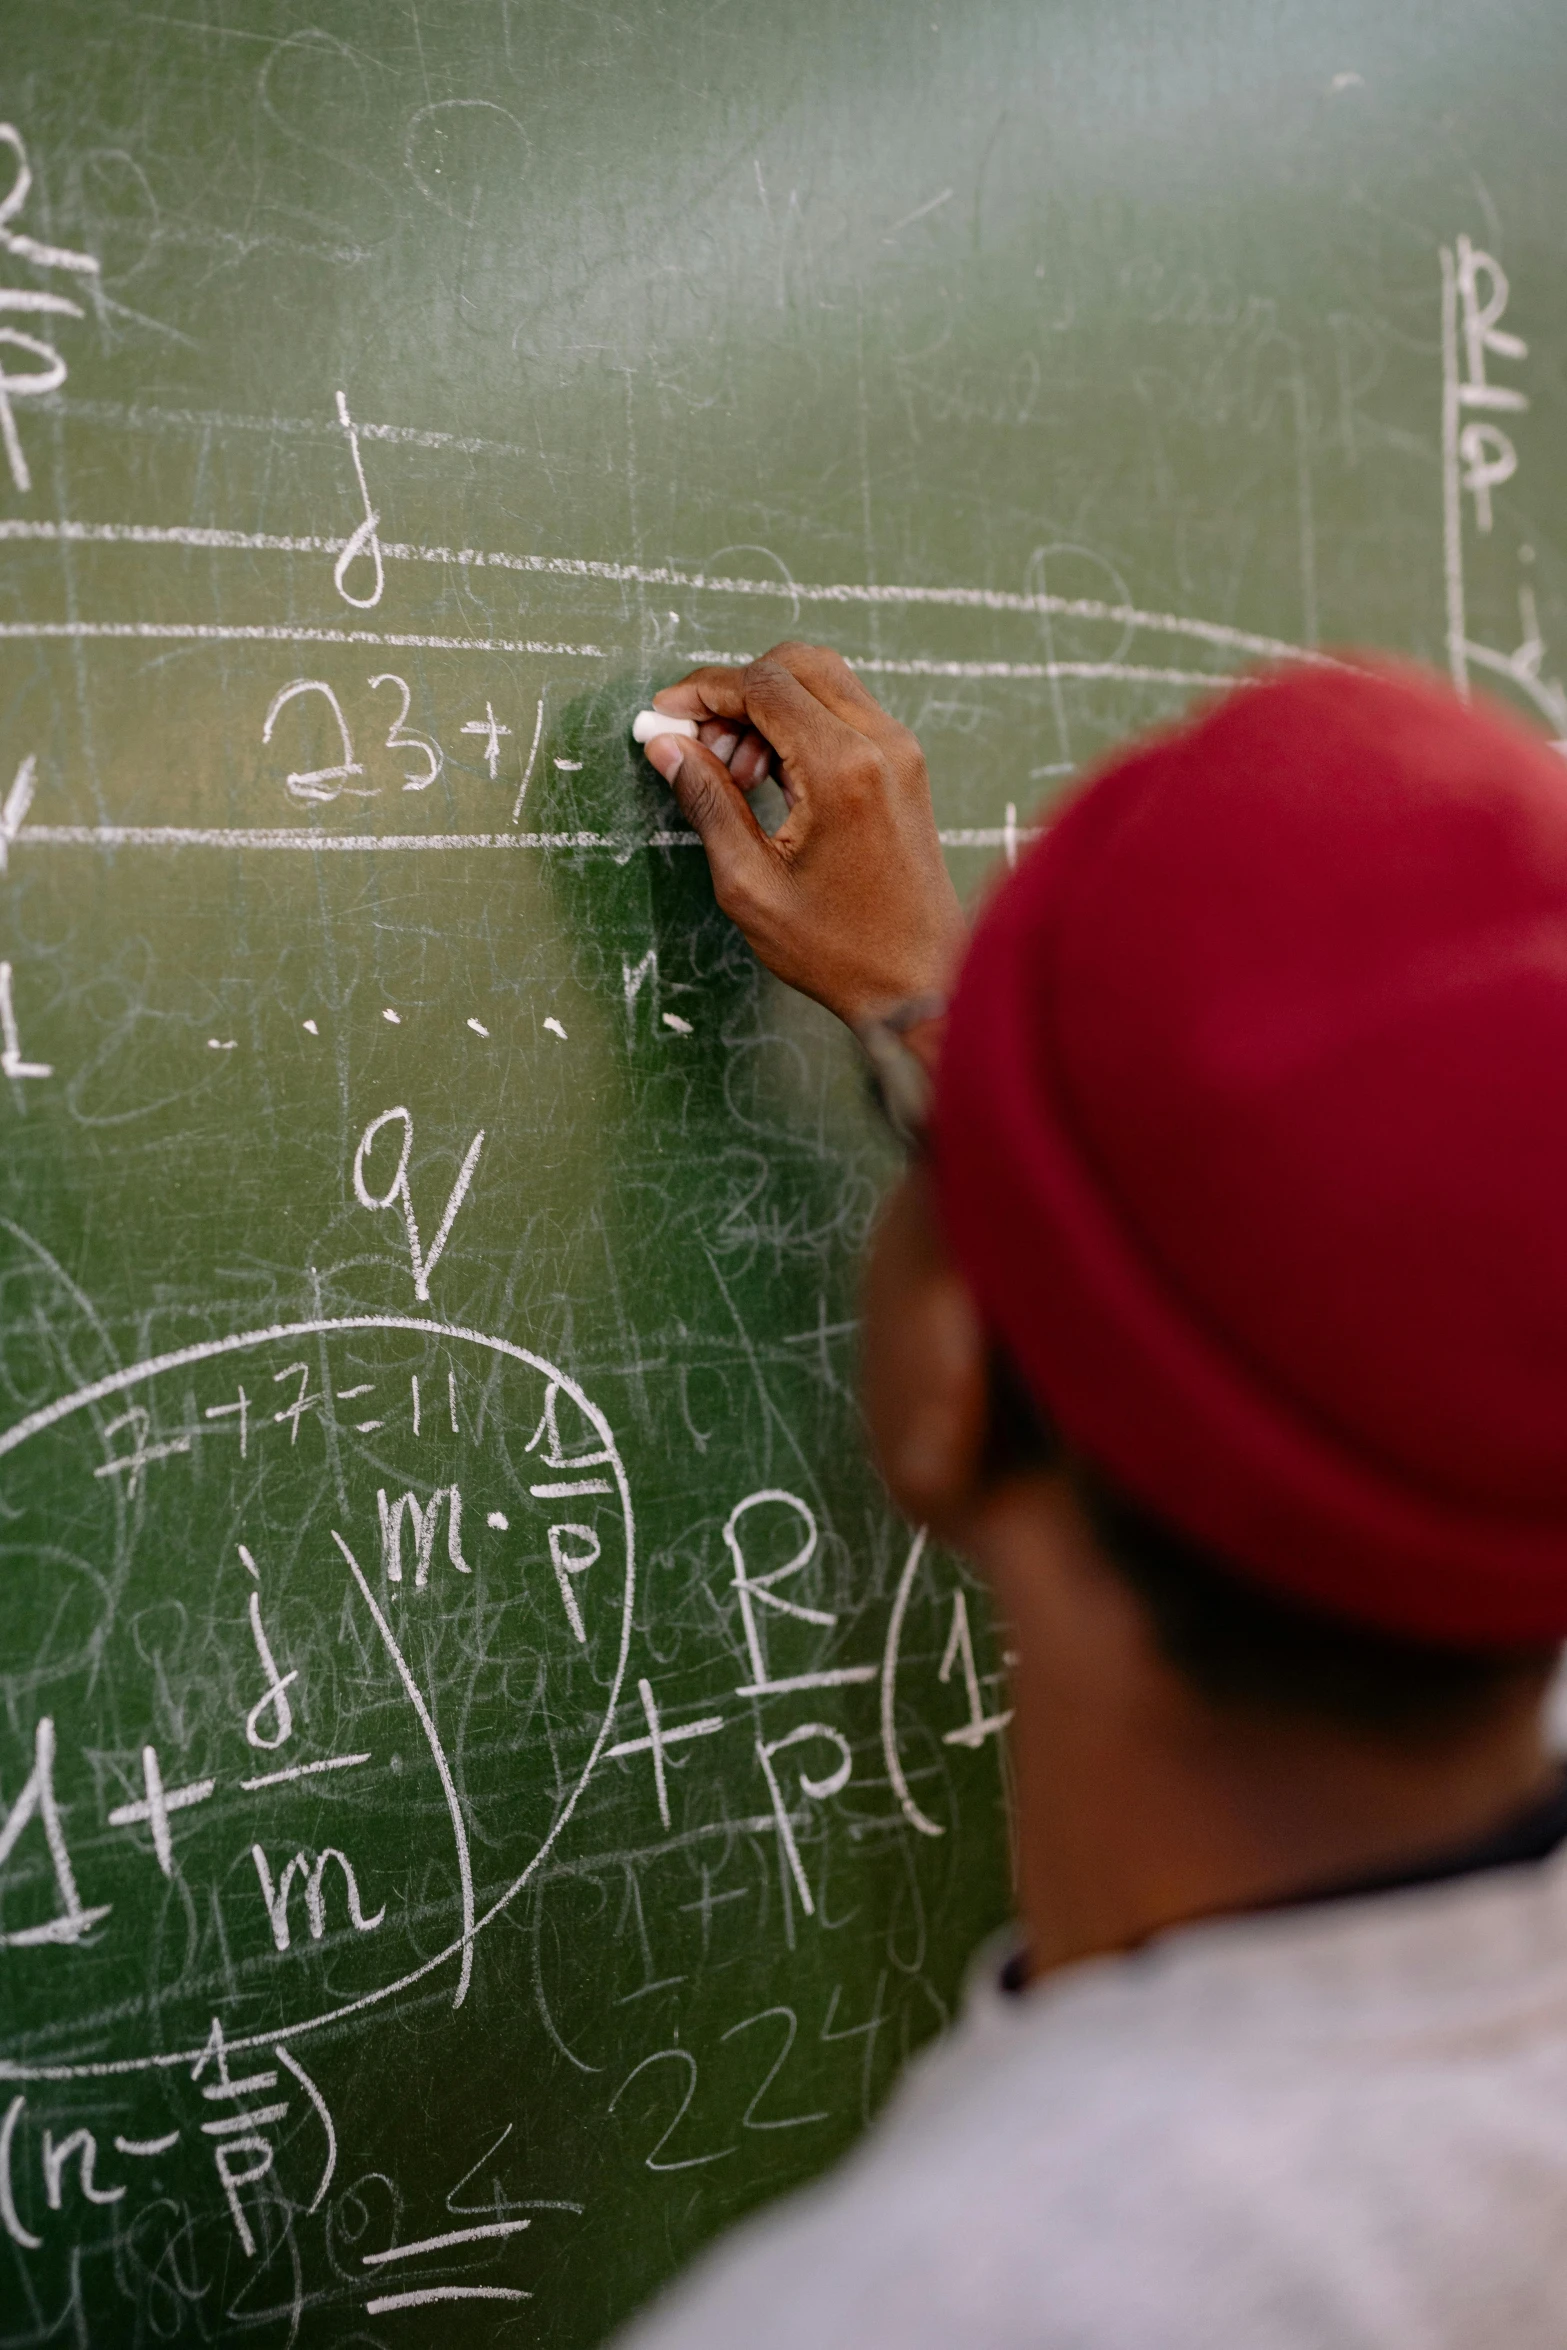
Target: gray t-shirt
column 1336, row 2127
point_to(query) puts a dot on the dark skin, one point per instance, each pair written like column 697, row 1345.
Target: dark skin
column 1140, row 1805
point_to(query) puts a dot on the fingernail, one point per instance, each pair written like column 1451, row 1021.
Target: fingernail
column 665, row 752
column 724, row 746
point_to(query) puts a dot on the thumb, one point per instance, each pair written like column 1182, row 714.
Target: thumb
column 716, row 809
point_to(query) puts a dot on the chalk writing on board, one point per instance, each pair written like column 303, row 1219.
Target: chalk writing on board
column 186, row 1822
column 311, row 1870
column 490, row 728
column 49, row 372
column 270, row 1721
column 317, row 783
column 1479, row 456
column 762, row 1592
column 831, row 1782
column 401, row 736
column 851, row 595
column 157, row 1806
column 530, row 761
column 397, row 1193
column 661, row 1740
column 337, row 1929
column 14, row 807
column 362, row 541
column 317, row 720
column 330, row 782
column 71, row 1918
column 959, row 1651
column 13, row 1061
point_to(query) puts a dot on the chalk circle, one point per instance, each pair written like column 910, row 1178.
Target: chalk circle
column 1083, row 602
column 458, row 150
column 312, row 88
column 481, row 1697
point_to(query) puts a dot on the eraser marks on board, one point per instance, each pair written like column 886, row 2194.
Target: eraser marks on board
column 647, row 723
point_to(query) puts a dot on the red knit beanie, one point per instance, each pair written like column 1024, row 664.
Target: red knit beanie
column 1250, row 1139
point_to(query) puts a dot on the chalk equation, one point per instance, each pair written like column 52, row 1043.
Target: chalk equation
column 253, row 1765
column 265, row 2136
column 345, row 774
column 1479, row 457
column 279, row 1699
column 232, row 2122
column 355, row 713
column 291, row 1777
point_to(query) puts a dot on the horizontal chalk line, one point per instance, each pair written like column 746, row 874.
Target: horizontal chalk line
column 212, row 632
column 833, row 1677
column 1131, row 672
column 302, row 836
column 425, row 2295
column 217, row 632
column 309, row 1770
column 972, row 599
column 144, row 416
column 480, row 2234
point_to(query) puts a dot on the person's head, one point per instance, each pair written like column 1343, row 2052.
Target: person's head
column 967, row 1450
column 1230, row 1306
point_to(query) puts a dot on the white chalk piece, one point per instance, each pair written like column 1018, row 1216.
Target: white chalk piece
column 647, row 723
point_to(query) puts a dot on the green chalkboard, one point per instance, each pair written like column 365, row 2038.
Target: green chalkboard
column 488, row 1791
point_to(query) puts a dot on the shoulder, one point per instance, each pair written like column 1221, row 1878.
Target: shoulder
column 1026, row 2187
column 1346, row 2127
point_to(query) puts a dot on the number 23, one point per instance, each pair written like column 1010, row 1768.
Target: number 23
column 325, row 783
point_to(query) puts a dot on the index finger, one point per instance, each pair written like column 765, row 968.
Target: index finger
column 685, row 699
column 768, row 696
column 823, row 673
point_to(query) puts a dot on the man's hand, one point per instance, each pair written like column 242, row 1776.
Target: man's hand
column 850, row 899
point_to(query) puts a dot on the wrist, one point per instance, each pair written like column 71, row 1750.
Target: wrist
column 902, row 1046
column 922, row 1032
